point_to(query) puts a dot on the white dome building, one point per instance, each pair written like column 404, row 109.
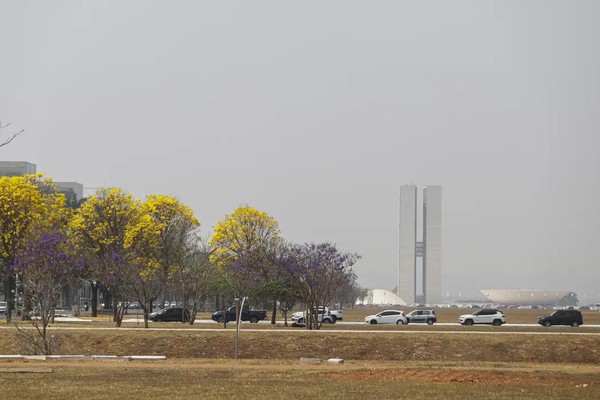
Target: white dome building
column 526, row 297
column 381, row 297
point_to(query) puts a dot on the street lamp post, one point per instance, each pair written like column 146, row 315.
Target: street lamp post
column 239, row 322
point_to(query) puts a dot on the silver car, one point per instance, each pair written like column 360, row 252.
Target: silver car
column 425, row 316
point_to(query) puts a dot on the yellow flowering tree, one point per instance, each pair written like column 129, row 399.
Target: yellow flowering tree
column 29, row 206
column 158, row 244
column 244, row 244
column 99, row 229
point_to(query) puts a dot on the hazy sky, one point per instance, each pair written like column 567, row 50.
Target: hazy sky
column 317, row 111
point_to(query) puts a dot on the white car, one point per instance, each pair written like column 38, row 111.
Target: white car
column 3, row 306
column 387, row 317
column 339, row 315
column 489, row 316
column 323, row 316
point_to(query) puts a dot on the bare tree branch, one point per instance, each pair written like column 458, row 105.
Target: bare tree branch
column 11, row 138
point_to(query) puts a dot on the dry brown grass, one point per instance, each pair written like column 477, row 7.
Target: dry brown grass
column 391, row 363
column 243, row 379
column 297, row 343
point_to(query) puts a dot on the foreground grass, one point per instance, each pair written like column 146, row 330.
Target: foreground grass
column 285, row 345
column 385, row 364
column 215, row 379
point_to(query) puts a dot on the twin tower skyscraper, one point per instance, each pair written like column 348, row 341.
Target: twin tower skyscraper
column 429, row 249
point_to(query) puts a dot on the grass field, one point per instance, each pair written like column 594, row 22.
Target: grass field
column 392, row 362
column 215, row 379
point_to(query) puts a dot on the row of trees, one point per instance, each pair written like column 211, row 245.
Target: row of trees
column 135, row 250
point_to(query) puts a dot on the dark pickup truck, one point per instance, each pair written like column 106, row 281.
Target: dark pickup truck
column 248, row 314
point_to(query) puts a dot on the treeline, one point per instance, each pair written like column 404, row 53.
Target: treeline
column 134, row 250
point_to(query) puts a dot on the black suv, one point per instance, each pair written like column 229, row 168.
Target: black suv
column 171, row 314
column 562, row 317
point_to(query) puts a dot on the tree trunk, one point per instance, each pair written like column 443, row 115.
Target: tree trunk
column 116, row 311
column 94, row 287
column 146, row 313
column 26, row 307
column 274, row 312
column 9, row 295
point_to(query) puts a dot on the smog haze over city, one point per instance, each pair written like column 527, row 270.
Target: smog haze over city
column 317, row 113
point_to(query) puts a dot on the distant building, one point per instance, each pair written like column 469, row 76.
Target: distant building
column 429, row 249
column 381, row 297
column 527, row 297
column 73, row 191
column 16, row 168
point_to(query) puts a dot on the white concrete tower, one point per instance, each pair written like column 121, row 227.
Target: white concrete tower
column 432, row 244
column 407, row 232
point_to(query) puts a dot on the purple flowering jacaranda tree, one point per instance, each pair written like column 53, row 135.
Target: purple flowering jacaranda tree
column 319, row 271
column 44, row 266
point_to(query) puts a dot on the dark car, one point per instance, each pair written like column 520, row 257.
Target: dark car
column 248, row 314
column 171, row 314
column 562, row 317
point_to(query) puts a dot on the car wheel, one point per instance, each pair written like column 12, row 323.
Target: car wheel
column 373, row 322
column 294, row 324
column 429, row 322
column 327, row 321
column 399, row 322
column 497, row 322
column 548, row 323
column 575, row 324
column 253, row 320
column 333, row 319
column 469, row 322
column 221, row 319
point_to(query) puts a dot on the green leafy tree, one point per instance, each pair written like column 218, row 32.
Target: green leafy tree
column 570, row 300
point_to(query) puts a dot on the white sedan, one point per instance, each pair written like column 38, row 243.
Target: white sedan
column 387, row 317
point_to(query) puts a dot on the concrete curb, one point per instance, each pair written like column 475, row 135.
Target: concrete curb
column 81, row 357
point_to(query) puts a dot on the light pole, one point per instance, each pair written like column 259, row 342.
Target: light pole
column 239, row 322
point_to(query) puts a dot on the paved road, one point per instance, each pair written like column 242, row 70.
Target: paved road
column 574, row 332
column 138, row 320
column 555, row 330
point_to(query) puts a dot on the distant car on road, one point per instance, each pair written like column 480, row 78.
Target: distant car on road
column 424, row 316
column 324, row 316
column 387, row 317
column 562, row 317
column 171, row 314
column 134, row 305
column 3, row 306
column 339, row 315
column 248, row 314
column 489, row 316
